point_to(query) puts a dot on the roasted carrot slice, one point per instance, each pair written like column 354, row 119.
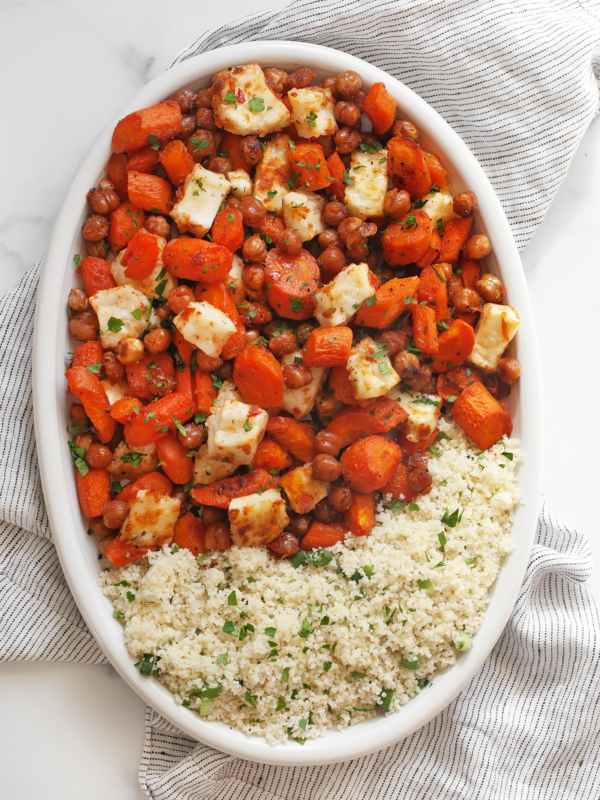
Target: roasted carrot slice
column 228, row 229
column 177, row 162
column 197, row 260
column 405, row 241
column 90, row 391
column 96, row 275
column 425, row 329
column 145, row 372
column 117, row 173
column 158, row 419
column 141, row 256
column 436, row 172
column 150, row 192
column 361, row 514
column 454, row 345
column 271, row 227
column 120, row 553
column 309, row 166
column 328, row 347
column 205, row 391
column 342, row 386
column 430, row 255
column 335, row 165
column 88, row 354
column 470, row 272
column 147, row 126
column 481, row 416
column 380, row 107
column 456, row 233
column 93, row 491
column 452, row 382
column 433, row 290
column 143, row 160
column 398, row 485
column 290, row 282
column 324, row 534
column 231, row 149
column 221, row 493
column 151, row 481
column 258, row 376
column 369, row 463
column 352, row 423
column 125, row 409
column 175, row 459
column 270, row 455
column 390, row 300
column 407, row 167
column 296, row 437
column 125, row 222
column 188, row 534
column 184, row 348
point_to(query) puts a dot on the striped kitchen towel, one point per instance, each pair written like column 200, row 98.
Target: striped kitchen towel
column 519, row 82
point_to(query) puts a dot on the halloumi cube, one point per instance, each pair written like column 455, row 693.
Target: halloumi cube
column 207, row 471
column 327, row 406
column 370, row 376
column 339, row 300
column 313, row 111
column 299, row 402
column 130, row 462
column 233, row 434
column 302, row 211
column 423, row 412
column 235, row 282
column 244, row 104
column 494, row 331
column 439, row 206
column 257, row 518
column 205, row 326
column 273, row 173
column 368, row 172
column 203, row 193
column 151, row 519
column 115, row 391
column 128, row 309
column 241, row 183
column 158, row 284
column 302, row 489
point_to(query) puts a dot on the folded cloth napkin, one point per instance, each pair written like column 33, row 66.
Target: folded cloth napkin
column 519, row 82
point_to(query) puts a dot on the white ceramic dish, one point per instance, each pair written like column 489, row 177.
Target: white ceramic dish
column 78, row 554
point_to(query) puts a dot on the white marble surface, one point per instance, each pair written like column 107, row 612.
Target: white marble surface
column 69, row 730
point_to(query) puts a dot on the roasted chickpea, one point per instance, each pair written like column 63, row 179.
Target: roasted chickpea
column 329, row 83
column 299, row 524
column 301, row 77
column 251, row 336
column 99, row 201
column 463, row 299
column 490, row 288
column 77, row 300
column 340, row 498
column 509, row 370
column 283, row 344
column 254, row 249
column 114, row 370
column 84, row 326
column 95, row 228
column 78, row 416
column 98, row 456
column 194, row 435
column 177, row 493
column 98, row 528
column 85, row 441
column 114, row 513
column 326, row 143
column 464, row 203
column 186, row 99
column 347, row 113
column 419, row 480
column 97, row 249
column 253, row 211
column 220, row 165
column 290, row 242
column 402, row 127
column 326, row 468
column 445, row 269
column 478, row 247
column 276, row 79
column 348, row 84
column 179, row 298
column 296, row 376
column 207, row 363
column 348, row 225
column 213, row 516
column 252, row 150
column 328, row 443
column 103, row 544
column 395, row 341
column 411, row 371
column 334, row 213
column 232, row 202
column 204, row 97
column 188, row 126
column 201, row 145
column 218, row 537
column 357, row 248
column 163, row 311
column 396, row 203
column 158, row 340
column 324, row 512
column 303, row 331
column 129, row 350
column 284, row 546
column 205, row 119
column 253, row 277
column 417, row 460
column 346, row 140
column 157, row 226
column 329, row 237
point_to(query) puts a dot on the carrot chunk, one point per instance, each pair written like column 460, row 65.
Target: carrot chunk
column 328, row 347
column 351, row 423
column 361, row 514
column 221, row 493
column 125, row 409
column 405, row 241
column 217, row 295
column 390, row 300
column 117, row 173
column 197, row 260
column 433, row 289
column 88, row 354
column 143, row 160
column 271, row 455
column 425, row 329
column 205, row 391
column 174, row 459
column 431, row 253
column 290, row 282
column 309, row 167
column 93, row 491
column 158, row 419
column 177, row 162
column 336, row 168
column 452, row 382
column 409, row 447
column 96, row 275
column 228, row 229
column 323, row 534
column 398, row 485
column 90, row 391
column 341, row 384
column 258, row 376
column 185, row 381
column 407, row 166
column 271, row 227
column 456, row 233
column 470, row 272
column 150, row 192
column 380, row 107
column 120, row 553
column 188, row 534
column 151, row 481
column 454, row 345
column 141, row 256
column 149, row 369
column 481, row 416
column 125, row 222
column 296, row 437
column 436, row 172
column 231, row 149
column 147, row 126
column 369, row 463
